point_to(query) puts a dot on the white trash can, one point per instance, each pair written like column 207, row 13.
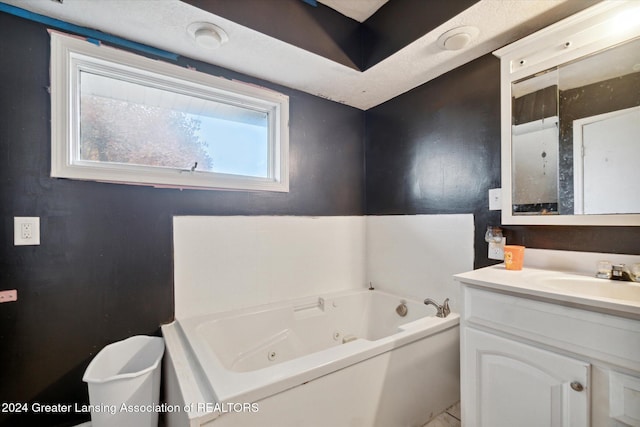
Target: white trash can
column 124, row 383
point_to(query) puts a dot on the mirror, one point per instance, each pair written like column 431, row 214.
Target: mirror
column 576, row 136
column 570, row 120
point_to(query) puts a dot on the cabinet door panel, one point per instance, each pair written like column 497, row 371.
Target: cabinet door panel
column 507, row 383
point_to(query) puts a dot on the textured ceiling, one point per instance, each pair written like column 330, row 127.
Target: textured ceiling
column 359, row 10
column 250, row 52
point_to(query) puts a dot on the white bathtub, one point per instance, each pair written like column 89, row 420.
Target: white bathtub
column 342, row 359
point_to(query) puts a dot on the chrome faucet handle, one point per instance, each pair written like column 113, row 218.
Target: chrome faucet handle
column 443, row 310
column 620, row 272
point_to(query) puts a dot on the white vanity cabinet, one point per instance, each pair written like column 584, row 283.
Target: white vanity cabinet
column 536, row 357
column 520, row 385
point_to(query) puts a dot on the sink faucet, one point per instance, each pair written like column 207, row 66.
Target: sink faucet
column 606, row 270
column 443, row 310
column 620, row 272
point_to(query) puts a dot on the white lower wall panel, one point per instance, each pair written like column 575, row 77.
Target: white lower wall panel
column 417, row 255
column 229, row 262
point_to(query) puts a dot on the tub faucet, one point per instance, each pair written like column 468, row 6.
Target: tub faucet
column 443, row 310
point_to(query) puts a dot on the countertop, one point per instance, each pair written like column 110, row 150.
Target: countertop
column 608, row 296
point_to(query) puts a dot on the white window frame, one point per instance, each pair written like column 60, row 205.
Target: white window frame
column 71, row 55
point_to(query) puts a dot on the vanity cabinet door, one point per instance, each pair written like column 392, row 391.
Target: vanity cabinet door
column 507, row 383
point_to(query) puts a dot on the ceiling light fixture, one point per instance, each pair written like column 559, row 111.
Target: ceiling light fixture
column 457, row 38
column 207, row 35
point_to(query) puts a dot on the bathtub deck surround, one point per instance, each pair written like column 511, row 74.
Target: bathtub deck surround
column 258, row 342
column 277, row 311
column 303, row 361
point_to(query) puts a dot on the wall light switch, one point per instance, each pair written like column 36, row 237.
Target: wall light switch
column 26, row 230
column 495, row 199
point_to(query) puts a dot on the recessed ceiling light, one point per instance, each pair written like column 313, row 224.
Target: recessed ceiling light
column 457, row 38
column 207, row 35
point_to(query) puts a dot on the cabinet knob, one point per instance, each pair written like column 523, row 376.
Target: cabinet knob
column 576, row 386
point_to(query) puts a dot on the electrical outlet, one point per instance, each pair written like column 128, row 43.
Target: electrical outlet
column 496, row 250
column 26, row 230
column 8, row 296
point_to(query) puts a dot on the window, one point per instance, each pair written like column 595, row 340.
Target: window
column 120, row 117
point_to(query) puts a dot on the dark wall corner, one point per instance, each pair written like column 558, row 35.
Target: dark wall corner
column 436, row 149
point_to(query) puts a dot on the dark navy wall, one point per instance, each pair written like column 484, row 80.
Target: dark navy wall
column 104, row 269
column 436, row 149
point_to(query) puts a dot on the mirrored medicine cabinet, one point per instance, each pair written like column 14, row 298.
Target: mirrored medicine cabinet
column 570, row 113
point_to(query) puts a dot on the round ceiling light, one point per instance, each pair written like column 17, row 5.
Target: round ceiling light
column 457, row 38
column 207, row 35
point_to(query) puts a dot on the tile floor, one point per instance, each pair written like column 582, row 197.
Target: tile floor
column 449, row 418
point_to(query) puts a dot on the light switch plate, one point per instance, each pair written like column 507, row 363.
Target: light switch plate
column 495, row 199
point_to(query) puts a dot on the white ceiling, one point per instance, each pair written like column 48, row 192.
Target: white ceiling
column 360, row 10
column 163, row 24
